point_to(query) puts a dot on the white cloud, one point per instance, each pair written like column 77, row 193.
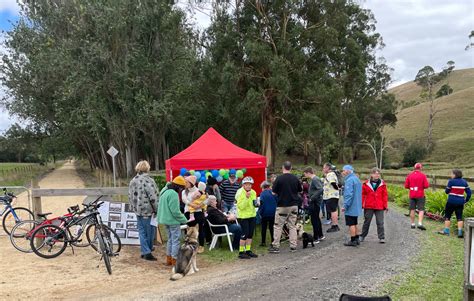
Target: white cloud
column 10, row 6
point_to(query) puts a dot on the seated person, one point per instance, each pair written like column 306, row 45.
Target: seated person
column 217, row 217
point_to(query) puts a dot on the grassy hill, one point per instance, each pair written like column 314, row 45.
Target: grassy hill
column 453, row 129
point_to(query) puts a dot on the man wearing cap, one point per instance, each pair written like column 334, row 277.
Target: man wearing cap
column 417, row 182
column 228, row 190
column 170, row 216
column 352, row 203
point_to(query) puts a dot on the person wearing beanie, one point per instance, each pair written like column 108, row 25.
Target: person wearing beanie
column 417, row 182
column 171, row 217
column 455, row 190
column 352, row 203
column 198, row 201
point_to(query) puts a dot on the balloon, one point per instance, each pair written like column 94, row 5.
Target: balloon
column 239, row 174
column 183, row 171
column 222, row 172
column 244, row 170
column 208, row 174
column 192, row 171
column 197, row 174
column 232, row 171
column 215, row 173
column 220, row 178
column 226, row 176
column 203, row 179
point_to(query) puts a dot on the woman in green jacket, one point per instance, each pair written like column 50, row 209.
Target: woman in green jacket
column 170, row 216
column 246, row 199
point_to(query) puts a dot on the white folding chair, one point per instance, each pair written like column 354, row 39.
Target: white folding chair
column 215, row 236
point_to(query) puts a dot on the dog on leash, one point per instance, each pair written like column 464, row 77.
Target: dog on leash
column 186, row 261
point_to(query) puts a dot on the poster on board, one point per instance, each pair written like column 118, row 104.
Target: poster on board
column 120, row 217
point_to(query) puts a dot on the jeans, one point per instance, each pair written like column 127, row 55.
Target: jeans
column 270, row 222
column 379, row 216
column 316, row 221
column 146, row 233
column 285, row 215
column 235, row 229
column 174, row 233
column 228, row 207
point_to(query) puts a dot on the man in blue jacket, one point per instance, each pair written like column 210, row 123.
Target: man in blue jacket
column 352, row 203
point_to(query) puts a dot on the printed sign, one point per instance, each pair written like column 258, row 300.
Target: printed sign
column 120, row 217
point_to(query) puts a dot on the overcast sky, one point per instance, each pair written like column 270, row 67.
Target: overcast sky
column 416, row 33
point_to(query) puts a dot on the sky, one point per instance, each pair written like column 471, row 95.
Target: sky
column 416, row 33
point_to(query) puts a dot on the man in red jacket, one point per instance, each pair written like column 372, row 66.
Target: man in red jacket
column 374, row 202
column 417, row 182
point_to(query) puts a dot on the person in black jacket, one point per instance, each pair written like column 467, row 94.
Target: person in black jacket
column 315, row 199
column 217, row 217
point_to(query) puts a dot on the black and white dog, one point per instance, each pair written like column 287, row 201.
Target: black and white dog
column 186, row 261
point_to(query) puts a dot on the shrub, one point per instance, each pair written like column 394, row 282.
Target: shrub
column 435, row 201
column 160, row 181
column 414, row 153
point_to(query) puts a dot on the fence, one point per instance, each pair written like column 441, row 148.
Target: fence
column 18, row 171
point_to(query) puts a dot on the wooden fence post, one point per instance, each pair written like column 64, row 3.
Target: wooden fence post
column 36, row 201
column 433, row 187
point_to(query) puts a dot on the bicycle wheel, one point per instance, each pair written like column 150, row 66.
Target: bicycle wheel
column 104, row 251
column 20, row 235
column 110, row 234
column 79, row 237
column 48, row 241
column 9, row 220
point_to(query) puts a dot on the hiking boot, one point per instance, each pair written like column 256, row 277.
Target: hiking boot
column 149, row 257
column 421, row 227
column 382, row 240
column 334, row 228
column 361, row 238
column 357, row 241
column 251, row 254
column 350, row 244
column 173, row 261
column 200, row 250
column 169, row 260
column 243, row 255
column 272, row 249
column 413, row 226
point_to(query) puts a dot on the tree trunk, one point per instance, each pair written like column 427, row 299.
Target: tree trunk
column 318, row 160
column 305, row 152
column 269, row 124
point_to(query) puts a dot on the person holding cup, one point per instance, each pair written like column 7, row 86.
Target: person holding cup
column 247, row 201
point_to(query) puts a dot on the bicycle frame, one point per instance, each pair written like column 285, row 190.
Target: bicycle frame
column 8, row 207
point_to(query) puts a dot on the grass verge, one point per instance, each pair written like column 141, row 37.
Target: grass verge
column 436, row 273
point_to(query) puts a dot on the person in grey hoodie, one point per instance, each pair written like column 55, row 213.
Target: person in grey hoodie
column 143, row 196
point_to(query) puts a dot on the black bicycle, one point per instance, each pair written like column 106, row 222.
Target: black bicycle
column 50, row 241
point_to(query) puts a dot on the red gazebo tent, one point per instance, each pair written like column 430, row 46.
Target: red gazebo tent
column 212, row 151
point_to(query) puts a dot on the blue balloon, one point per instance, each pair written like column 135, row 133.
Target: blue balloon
column 232, row 172
column 203, row 179
column 220, row 179
column 215, row 173
column 197, row 174
column 183, row 171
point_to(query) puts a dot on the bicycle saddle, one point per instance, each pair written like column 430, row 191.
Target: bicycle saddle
column 43, row 215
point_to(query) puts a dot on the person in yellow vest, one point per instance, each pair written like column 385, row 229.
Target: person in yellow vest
column 246, row 199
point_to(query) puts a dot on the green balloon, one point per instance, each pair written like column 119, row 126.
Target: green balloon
column 239, row 174
column 226, row 176
column 244, row 170
column 208, row 174
column 192, row 171
column 222, row 172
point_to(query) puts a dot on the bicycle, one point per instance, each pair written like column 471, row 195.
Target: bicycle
column 53, row 239
column 22, row 232
column 12, row 215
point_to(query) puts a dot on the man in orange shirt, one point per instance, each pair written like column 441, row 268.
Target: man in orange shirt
column 417, row 182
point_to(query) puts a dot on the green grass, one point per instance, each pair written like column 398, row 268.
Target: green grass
column 21, row 174
column 453, row 128
column 436, row 273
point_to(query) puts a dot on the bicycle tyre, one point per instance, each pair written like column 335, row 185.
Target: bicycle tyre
column 91, row 238
column 105, row 253
column 82, row 237
column 6, row 221
column 16, row 238
column 51, row 235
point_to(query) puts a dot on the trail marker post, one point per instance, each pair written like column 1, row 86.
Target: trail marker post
column 113, row 152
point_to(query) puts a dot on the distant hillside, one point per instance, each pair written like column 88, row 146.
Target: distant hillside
column 453, row 130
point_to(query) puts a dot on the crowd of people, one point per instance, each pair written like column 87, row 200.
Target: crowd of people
column 284, row 201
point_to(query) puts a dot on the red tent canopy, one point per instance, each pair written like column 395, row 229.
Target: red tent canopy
column 212, row 151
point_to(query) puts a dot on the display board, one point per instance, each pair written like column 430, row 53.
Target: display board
column 120, row 217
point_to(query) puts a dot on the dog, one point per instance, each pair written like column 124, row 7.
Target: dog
column 307, row 239
column 186, row 261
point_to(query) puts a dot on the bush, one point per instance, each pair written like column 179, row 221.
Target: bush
column 436, row 201
column 414, row 153
column 160, row 181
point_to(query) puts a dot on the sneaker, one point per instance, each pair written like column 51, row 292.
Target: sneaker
column 322, row 238
column 413, row 226
column 272, row 249
column 251, row 254
column 327, row 222
column 316, row 241
column 421, row 227
column 361, row 238
column 350, row 244
column 243, row 255
column 333, row 229
column 461, row 235
column 200, row 250
column 382, row 240
column 149, row 257
column 443, row 233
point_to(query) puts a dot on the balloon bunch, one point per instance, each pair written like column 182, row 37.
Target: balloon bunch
column 220, row 175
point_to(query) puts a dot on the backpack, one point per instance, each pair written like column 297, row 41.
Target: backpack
column 340, row 178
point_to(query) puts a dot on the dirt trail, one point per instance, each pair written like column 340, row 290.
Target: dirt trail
column 323, row 272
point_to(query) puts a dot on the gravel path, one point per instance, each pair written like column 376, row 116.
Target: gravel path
column 323, row 272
